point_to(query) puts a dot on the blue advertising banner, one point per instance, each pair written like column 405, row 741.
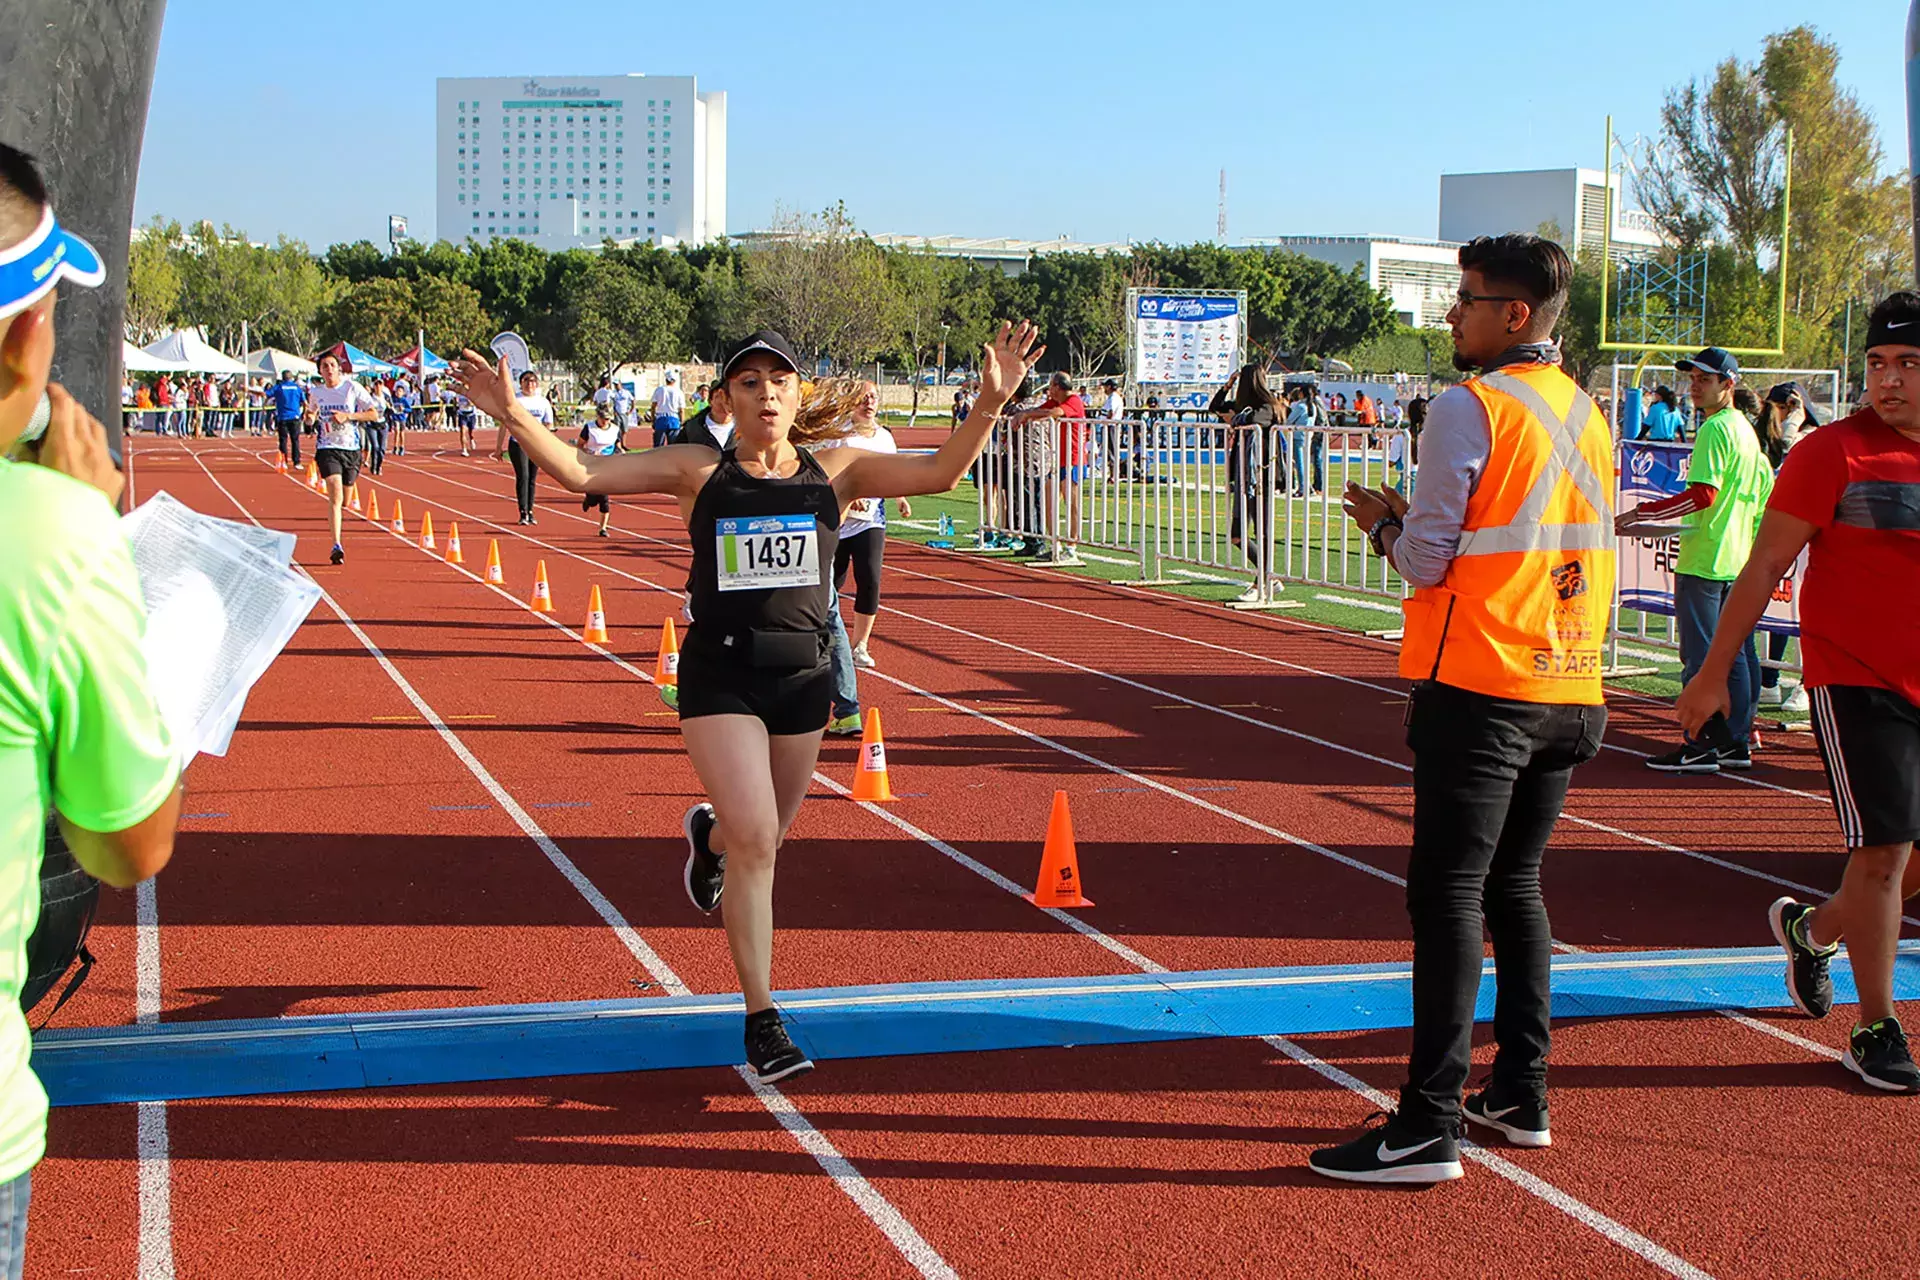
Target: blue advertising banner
column 1649, row 471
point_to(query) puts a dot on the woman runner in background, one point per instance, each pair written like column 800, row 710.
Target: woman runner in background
column 763, row 516
column 603, row 437
column 863, row 534
column 525, row 471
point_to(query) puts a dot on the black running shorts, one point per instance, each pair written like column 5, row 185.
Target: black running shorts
column 344, row 463
column 786, row 701
column 1870, row 743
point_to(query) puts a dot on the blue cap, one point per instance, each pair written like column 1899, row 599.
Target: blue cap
column 30, row 270
column 1713, row 360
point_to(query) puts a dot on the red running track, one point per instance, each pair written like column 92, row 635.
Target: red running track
column 1240, row 795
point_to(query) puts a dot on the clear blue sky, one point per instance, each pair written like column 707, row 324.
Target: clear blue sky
column 1100, row 121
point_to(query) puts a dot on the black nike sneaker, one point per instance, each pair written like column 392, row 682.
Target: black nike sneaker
column 771, row 1054
column 706, row 874
column 1879, row 1055
column 1808, row 981
column 1390, row 1153
column 339, row 555
column 1523, row 1121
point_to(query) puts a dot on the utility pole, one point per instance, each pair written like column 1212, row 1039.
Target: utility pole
column 1913, row 123
column 1220, row 224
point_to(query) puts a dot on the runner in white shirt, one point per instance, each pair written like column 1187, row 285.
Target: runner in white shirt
column 602, row 437
column 863, row 529
column 338, row 405
column 525, row 472
column 669, row 406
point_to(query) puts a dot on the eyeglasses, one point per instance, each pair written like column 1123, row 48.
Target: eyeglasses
column 1465, row 299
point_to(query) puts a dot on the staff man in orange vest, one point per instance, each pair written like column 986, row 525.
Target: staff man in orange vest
column 1509, row 542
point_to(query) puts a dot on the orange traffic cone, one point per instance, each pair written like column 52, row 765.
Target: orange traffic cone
column 356, row 498
column 596, row 628
column 870, row 779
column 1059, row 882
column 314, row 482
column 667, row 670
column 280, row 463
column 399, row 518
column 426, row 532
column 373, row 505
column 494, row 575
column 453, row 544
column 542, row 593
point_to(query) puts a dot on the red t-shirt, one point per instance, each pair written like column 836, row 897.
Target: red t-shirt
column 1073, row 432
column 1858, row 481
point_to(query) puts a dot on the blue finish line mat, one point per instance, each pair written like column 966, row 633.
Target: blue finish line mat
column 166, row 1061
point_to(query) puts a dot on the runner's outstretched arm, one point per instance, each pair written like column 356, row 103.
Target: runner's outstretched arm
column 675, row 469
column 858, row 474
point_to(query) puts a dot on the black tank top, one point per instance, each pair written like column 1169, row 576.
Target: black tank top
column 731, row 494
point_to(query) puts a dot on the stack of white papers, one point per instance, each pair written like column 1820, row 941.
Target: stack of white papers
column 222, row 602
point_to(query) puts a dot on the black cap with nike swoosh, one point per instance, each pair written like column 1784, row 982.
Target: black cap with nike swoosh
column 1895, row 322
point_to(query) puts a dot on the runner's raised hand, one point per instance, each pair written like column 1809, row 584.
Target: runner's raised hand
column 1007, row 359
column 490, row 387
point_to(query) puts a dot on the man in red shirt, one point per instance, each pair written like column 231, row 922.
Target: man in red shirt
column 1064, row 404
column 1851, row 491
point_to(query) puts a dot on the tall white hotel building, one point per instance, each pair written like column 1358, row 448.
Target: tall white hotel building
column 569, row 161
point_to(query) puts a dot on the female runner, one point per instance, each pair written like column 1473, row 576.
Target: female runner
column 763, row 516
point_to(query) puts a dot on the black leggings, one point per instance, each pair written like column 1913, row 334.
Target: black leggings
column 524, row 474
column 864, row 551
column 289, row 429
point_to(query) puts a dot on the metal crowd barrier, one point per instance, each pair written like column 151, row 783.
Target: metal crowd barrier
column 1169, row 501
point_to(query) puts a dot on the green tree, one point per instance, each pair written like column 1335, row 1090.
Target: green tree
column 361, row 260
column 225, row 282
column 451, row 314
column 921, row 282
column 824, row 284
column 613, row 316
column 153, row 280
column 376, row 314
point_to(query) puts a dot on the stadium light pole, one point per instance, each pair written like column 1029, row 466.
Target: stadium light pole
column 78, row 74
column 1913, row 124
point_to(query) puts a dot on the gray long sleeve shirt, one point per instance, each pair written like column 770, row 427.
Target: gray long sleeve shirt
column 1454, row 447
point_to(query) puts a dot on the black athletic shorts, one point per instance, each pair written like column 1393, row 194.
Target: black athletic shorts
column 1870, row 742
column 786, row 700
column 344, row 463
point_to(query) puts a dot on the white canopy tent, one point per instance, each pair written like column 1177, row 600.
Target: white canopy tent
column 134, row 360
column 189, row 351
column 271, row 360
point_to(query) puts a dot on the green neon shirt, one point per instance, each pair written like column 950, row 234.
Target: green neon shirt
column 1728, row 456
column 79, row 728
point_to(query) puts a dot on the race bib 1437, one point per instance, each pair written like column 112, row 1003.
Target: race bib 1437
column 757, row 552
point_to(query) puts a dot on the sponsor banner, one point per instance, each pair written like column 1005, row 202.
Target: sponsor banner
column 1184, row 340
column 1649, row 471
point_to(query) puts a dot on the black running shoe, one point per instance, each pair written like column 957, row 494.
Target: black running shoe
column 770, row 1053
column 1388, row 1152
column 1879, row 1055
column 1808, row 981
column 706, row 874
column 1523, row 1122
column 1692, row 757
column 1736, row 755
column 339, row 556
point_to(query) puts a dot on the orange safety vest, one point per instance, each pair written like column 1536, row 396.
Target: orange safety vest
column 1522, row 612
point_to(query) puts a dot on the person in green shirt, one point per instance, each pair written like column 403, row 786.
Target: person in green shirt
column 1728, row 482
column 80, row 732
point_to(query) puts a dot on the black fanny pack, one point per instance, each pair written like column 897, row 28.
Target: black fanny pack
column 786, row 650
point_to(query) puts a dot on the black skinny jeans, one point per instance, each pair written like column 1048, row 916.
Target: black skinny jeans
column 524, row 474
column 1489, row 777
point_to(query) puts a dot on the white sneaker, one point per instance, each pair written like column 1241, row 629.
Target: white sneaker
column 1770, row 696
column 1249, row 596
column 1797, row 700
column 1068, row 555
column 861, row 658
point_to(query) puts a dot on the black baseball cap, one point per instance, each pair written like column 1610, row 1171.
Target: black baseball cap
column 1712, row 360
column 1780, row 392
column 767, row 340
column 1895, row 322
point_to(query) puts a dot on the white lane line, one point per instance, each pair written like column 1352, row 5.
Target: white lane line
column 1395, row 691
column 1617, row 1232
column 877, row 1208
column 1270, row 726
column 155, row 1164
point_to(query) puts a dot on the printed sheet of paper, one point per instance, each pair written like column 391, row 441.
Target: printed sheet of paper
column 221, row 605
